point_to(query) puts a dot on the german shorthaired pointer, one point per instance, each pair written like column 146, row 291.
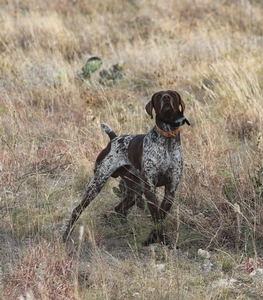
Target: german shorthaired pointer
column 144, row 162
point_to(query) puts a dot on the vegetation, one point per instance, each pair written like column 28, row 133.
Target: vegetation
column 211, row 53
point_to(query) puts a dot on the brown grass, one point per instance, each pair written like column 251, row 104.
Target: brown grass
column 210, row 52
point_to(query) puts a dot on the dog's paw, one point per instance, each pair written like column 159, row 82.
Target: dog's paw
column 151, row 238
column 158, row 236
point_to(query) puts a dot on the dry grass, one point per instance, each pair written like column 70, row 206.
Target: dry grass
column 210, row 52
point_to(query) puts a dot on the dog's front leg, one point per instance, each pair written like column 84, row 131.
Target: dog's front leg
column 164, row 209
column 156, row 232
column 149, row 192
column 167, row 201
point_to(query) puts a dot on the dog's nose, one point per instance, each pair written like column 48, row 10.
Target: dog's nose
column 166, row 97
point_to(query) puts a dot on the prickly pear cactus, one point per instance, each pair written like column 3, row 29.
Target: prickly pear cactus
column 91, row 66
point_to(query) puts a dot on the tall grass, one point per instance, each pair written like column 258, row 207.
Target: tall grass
column 208, row 51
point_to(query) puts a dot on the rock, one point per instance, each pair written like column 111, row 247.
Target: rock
column 203, row 253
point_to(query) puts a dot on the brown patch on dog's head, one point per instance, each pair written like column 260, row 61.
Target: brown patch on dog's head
column 167, row 104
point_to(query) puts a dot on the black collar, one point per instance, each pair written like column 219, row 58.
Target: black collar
column 176, row 122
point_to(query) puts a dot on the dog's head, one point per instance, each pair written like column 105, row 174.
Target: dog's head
column 168, row 105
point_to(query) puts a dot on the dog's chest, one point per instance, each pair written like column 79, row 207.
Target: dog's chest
column 164, row 155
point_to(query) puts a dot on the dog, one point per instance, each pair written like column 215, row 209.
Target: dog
column 144, row 162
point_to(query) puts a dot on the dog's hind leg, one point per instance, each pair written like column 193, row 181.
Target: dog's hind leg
column 108, row 162
column 94, row 187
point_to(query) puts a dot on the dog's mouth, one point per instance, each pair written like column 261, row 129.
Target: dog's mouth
column 167, row 111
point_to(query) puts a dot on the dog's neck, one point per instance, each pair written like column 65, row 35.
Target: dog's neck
column 170, row 128
column 169, row 134
column 166, row 129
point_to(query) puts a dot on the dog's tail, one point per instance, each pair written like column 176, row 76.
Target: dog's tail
column 109, row 131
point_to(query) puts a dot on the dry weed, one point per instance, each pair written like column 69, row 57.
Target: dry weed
column 50, row 136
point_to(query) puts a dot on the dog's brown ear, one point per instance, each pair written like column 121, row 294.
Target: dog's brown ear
column 182, row 105
column 181, row 102
column 149, row 108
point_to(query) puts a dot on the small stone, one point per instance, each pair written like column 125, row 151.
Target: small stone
column 203, row 253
